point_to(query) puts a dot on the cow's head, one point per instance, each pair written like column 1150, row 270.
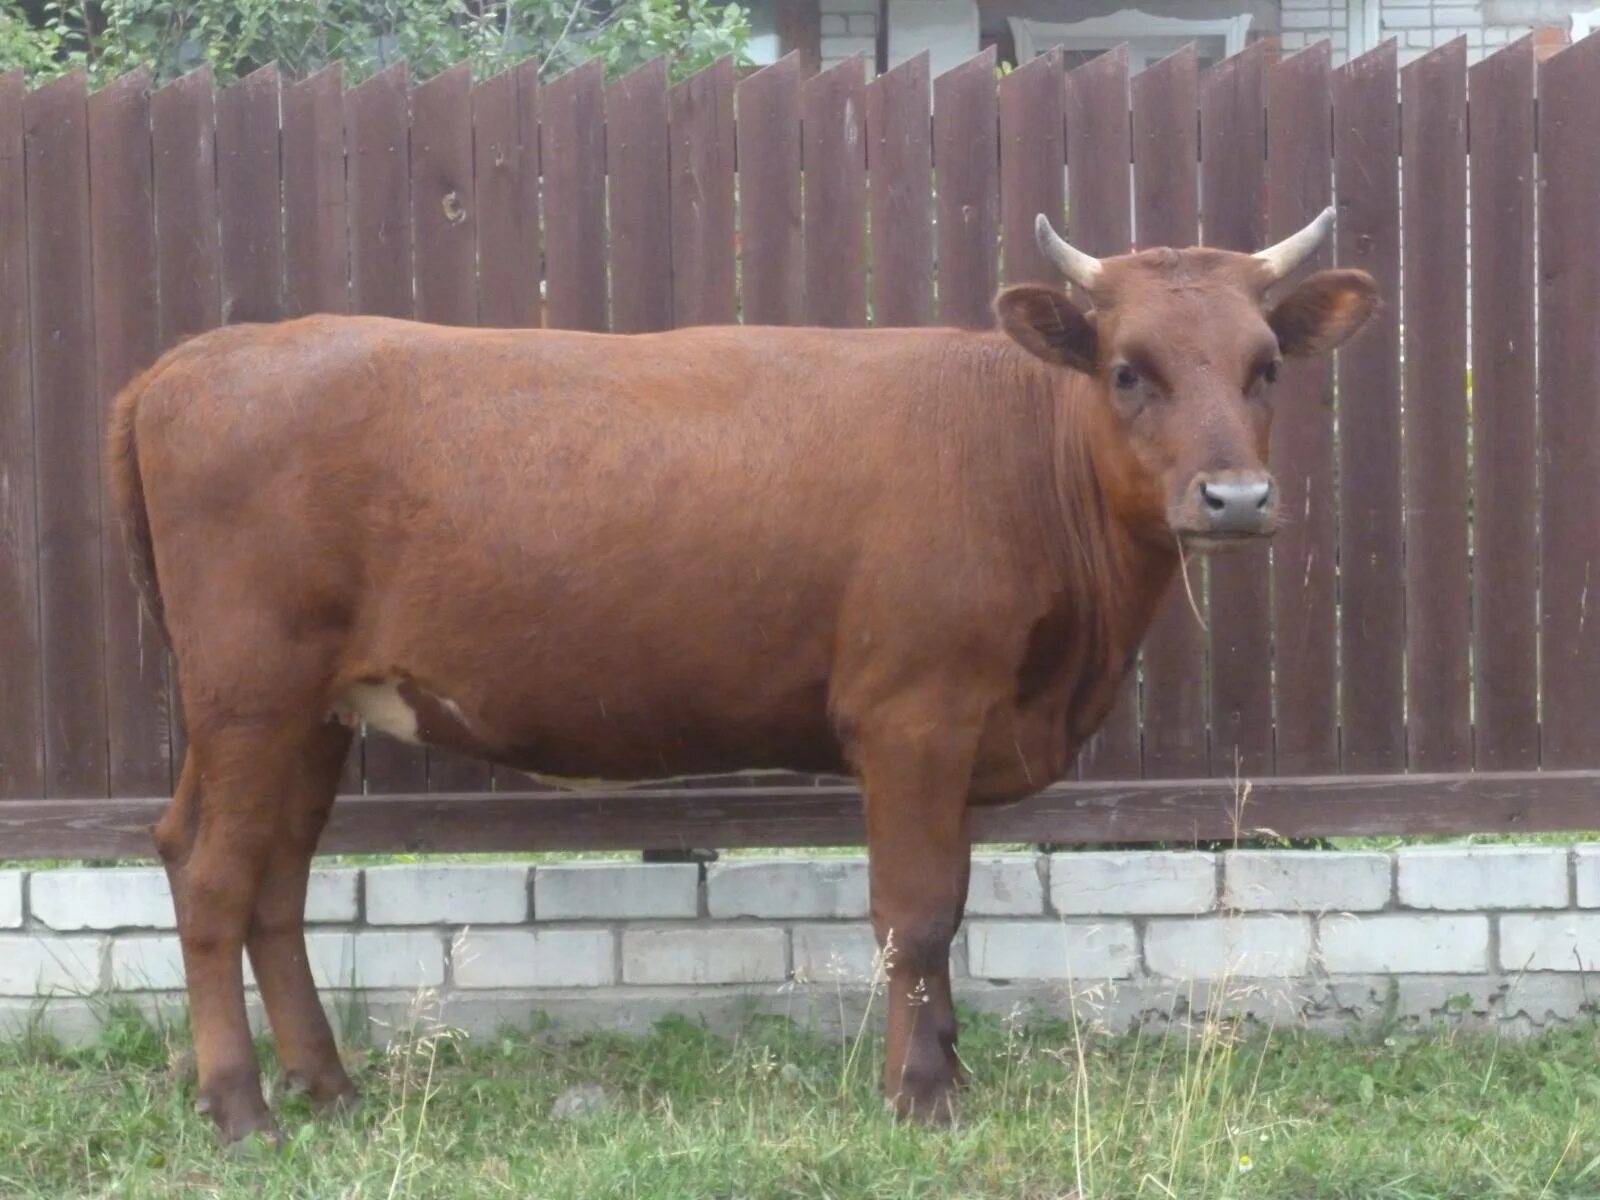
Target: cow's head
column 1186, row 346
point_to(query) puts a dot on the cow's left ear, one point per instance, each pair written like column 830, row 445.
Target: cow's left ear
column 1323, row 312
column 1046, row 323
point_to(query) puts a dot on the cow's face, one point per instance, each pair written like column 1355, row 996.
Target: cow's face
column 1186, row 348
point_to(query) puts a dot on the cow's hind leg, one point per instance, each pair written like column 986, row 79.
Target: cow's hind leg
column 915, row 775
column 276, row 941
column 219, row 839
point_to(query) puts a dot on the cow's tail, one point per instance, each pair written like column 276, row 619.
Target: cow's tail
column 127, row 494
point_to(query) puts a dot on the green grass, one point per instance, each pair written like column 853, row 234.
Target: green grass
column 1054, row 1113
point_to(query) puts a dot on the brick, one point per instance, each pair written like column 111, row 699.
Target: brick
column 331, row 896
column 1052, row 949
column 1550, row 942
column 1294, row 41
column 1588, row 862
column 1313, row 18
column 1398, row 943
column 539, row 958
column 1256, row 947
column 1406, row 18
column 1005, row 885
column 615, row 891
column 840, row 953
column 149, row 964
column 731, row 955
column 112, row 898
column 10, row 899
column 41, row 966
column 1478, row 877
column 1464, row 16
column 787, row 888
column 834, row 24
column 864, row 24
column 849, row 6
column 1133, row 882
column 1304, row 881
column 387, row 959
column 489, row 894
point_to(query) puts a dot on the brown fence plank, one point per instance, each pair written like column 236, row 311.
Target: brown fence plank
column 444, row 221
column 703, row 241
column 127, row 339
column 67, row 432
column 1569, row 403
column 671, row 819
column 1438, row 570
column 1505, row 570
column 1298, row 156
column 21, row 704
column 248, row 200
column 1233, row 216
column 900, row 180
column 444, row 210
column 966, row 146
column 315, row 213
column 378, row 185
column 638, row 170
column 834, row 155
column 572, row 154
column 771, row 228
column 1033, row 158
column 1366, row 135
column 188, row 252
column 1166, row 187
column 505, row 124
column 1100, row 222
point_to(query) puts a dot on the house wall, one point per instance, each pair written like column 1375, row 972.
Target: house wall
column 849, row 27
column 1417, row 26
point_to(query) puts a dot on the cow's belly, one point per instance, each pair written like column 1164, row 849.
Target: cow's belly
column 561, row 747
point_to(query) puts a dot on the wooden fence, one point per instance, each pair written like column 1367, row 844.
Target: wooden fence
column 1422, row 654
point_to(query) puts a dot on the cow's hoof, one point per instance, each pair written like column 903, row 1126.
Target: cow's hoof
column 929, row 1102
column 343, row 1108
column 259, row 1144
column 239, row 1116
column 331, row 1094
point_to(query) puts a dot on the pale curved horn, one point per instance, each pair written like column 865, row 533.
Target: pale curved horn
column 1079, row 268
column 1282, row 259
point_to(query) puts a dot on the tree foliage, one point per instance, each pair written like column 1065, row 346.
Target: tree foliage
column 108, row 37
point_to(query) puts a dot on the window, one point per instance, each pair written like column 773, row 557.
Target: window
column 1149, row 38
column 1585, row 23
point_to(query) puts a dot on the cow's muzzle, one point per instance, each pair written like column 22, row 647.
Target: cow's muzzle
column 1221, row 507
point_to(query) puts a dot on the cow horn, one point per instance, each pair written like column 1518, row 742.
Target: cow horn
column 1282, row 259
column 1079, row 268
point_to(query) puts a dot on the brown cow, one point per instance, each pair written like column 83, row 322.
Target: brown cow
column 922, row 556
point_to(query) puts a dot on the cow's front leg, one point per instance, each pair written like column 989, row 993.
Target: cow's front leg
column 914, row 776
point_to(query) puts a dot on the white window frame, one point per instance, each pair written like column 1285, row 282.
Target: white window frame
column 1585, row 23
column 1128, row 25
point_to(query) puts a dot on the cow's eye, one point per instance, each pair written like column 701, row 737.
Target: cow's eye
column 1269, row 373
column 1126, row 377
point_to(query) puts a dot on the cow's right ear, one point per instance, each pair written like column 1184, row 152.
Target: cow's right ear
column 1047, row 324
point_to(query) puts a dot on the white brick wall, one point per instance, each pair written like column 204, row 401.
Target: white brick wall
column 539, row 958
column 1504, row 925
column 1131, row 882
column 460, row 895
column 1052, row 949
column 10, row 899
column 1403, row 944
column 590, row 891
column 782, row 887
column 1549, row 942
column 1305, row 881
column 731, row 955
column 1255, row 947
column 1449, row 877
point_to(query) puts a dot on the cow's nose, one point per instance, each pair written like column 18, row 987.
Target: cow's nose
column 1237, row 504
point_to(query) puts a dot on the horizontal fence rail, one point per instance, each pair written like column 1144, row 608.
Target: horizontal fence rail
column 1419, row 652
